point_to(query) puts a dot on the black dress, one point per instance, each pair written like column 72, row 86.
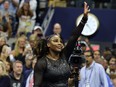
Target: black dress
column 55, row 73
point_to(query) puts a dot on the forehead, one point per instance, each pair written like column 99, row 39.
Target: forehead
column 22, row 39
column 18, row 64
column 55, row 37
column 86, row 53
column 6, row 2
column 113, row 58
column 57, row 26
column 96, row 51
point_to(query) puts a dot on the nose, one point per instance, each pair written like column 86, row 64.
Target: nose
column 59, row 42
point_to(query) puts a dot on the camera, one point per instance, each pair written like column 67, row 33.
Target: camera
column 76, row 59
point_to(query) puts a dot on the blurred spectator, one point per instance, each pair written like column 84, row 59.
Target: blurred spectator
column 3, row 41
column 4, row 79
column 85, row 42
column 19, row 50
column 57, row 29
column 5, row 25
column 34, row 41
column 16, row 77
column 112, row 66
column 25, row 15
column 107, row 54
column 4, row 49
column 9, row 7
column 8, row 66
column 38, row 31
column 28, row 80
column 33, row 6
column 96, row 55
column 113, row 77
column 103, row 63
column 8, row 25
column 28, row 62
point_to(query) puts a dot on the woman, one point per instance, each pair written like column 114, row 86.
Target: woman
column 25, row 23
column 33, row 41
column 4, row 79
column 19, row 51
column 112, row 66
column 5, row 49
column 53, row 70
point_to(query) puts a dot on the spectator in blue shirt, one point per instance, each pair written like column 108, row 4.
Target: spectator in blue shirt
column 93, row 74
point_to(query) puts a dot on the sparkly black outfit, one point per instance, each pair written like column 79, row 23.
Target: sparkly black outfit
column 55, row 73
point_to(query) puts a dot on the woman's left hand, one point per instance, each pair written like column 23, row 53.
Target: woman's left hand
column 86, row 9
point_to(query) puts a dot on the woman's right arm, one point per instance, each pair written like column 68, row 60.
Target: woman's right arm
column 39, row 72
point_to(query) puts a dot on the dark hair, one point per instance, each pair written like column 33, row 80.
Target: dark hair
column 42, row 47
column 90, row 52
column 49, row 37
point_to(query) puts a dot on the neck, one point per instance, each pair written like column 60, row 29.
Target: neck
column 21, row 49
column 17, row 76
column 89, row 64
column 26, row 12
column 28, row 66
column 53, row 55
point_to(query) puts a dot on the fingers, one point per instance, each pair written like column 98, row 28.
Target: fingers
column 86, row 7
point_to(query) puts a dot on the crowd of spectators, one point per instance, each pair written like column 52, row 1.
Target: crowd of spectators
column 18, row 19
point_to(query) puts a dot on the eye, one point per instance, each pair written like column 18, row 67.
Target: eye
column 61, row 41
column 55, row 40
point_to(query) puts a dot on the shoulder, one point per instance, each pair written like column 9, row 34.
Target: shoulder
column 83, row 69
column 98, row 65
column 5, row 78
column 41, row 62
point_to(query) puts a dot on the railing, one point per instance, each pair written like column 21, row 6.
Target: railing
column 47, row 19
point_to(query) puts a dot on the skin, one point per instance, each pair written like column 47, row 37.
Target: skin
column 37, row 31
column 2, row 41
column 29, row 61
column 6, row 5
column 55, row 44
column 88, row 58
column 26, row 6
column 22, row 43
column 112, row 63
column 114, row 82
column 18, row 68
column 1, row 70
column 34, row 62
column 57, row 28
column 96, row 55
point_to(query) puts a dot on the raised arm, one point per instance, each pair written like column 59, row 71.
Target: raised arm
column 76, row 32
